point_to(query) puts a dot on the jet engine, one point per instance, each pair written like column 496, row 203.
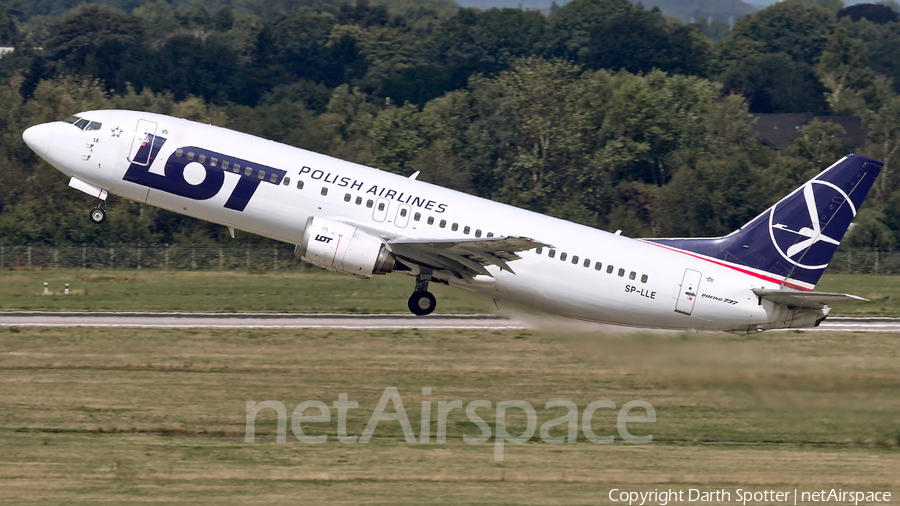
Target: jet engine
column 343, row 248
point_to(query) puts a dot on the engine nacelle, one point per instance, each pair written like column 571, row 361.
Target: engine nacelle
column 343, row 248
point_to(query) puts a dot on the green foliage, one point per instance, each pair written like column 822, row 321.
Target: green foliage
column 797, row 29
column 844, row 69
column 869, row 231
column 603, row 113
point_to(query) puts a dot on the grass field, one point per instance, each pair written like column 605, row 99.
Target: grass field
column 315, row 291
column 123, row 416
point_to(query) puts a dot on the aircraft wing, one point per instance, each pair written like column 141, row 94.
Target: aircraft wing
column 808, row 300
column 463, row 256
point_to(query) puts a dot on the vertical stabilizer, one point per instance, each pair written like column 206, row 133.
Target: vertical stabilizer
column 793, row 241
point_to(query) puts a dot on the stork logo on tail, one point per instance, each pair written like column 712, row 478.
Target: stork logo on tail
column 799, row 224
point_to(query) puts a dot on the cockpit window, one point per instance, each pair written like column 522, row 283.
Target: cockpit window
column 82, row 123
column 71, row 120
column 95, row 125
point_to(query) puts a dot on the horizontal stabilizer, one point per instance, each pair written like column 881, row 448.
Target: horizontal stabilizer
column 808, row 300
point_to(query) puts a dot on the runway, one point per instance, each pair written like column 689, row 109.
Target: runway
column 256, row 321
column 861, row 324
column 342, row 321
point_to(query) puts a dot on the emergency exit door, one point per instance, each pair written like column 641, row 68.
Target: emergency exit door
column 687, row 294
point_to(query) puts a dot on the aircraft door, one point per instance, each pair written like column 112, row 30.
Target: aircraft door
column 687, row 293
column 402, row 218
column 381, row 210
column 141, row 145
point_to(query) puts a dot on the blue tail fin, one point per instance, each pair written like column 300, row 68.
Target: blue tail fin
column 793, row 241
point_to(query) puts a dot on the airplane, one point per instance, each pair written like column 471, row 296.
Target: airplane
column 358, row 220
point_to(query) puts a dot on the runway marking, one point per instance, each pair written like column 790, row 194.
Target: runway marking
column 258, row 321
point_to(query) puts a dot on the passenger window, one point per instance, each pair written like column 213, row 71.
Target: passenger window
column 490, row 234
column 261, row 174
column 324, row 191
column 286, row 181
column 574, row 259
column 609, row 269
column 370, row 203
column 478, row 233
column 466, row 230
column 236, row 168
column 273, row 178
column 643, row 278
column 224, row 164
column 455, row 227
column 431, row 220
column 598, row 266
column 551, row 253
column 299, row 184
column 403, row 213
column 443, row 223
column 190, row 155
column 248, row 171
column 381, row 206
column 539, row 250
column 632, row 275
column 621, row 272
column 179, row 152
column 202, row 159
column 347, row 197
column 417, row 216
column 562, row 256
column 587, row 262
column 213, row 161
column 358, row 201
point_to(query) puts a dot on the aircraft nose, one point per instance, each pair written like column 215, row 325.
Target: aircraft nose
column 38, row 138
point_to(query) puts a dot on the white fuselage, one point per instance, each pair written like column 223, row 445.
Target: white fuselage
column 722, row 298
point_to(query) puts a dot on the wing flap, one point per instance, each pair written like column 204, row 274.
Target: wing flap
column 808, row 300
column 469, row 256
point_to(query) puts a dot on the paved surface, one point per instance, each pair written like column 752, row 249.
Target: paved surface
column 255, row 320
column 338, row 321
column 843, row 324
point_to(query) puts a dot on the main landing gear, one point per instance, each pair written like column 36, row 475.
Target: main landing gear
column 98, row 214
column 422, row 302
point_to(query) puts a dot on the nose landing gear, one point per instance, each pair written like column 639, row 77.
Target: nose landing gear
column 422, row 302
column 98, row 214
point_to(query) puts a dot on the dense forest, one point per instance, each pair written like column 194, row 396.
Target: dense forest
column 602, row 112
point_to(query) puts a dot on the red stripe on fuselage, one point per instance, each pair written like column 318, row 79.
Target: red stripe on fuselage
column 733, row 267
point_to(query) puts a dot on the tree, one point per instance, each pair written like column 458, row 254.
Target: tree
column 884, row 132
column 791, row 27
column 883, row 47
column 844, row 69
column 821, row 145
column 774, row 83
column 878, row 14
column 570, row 32
column 640, row 41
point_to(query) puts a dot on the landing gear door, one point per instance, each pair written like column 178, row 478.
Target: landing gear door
column 687, row 294
column 141, row 146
